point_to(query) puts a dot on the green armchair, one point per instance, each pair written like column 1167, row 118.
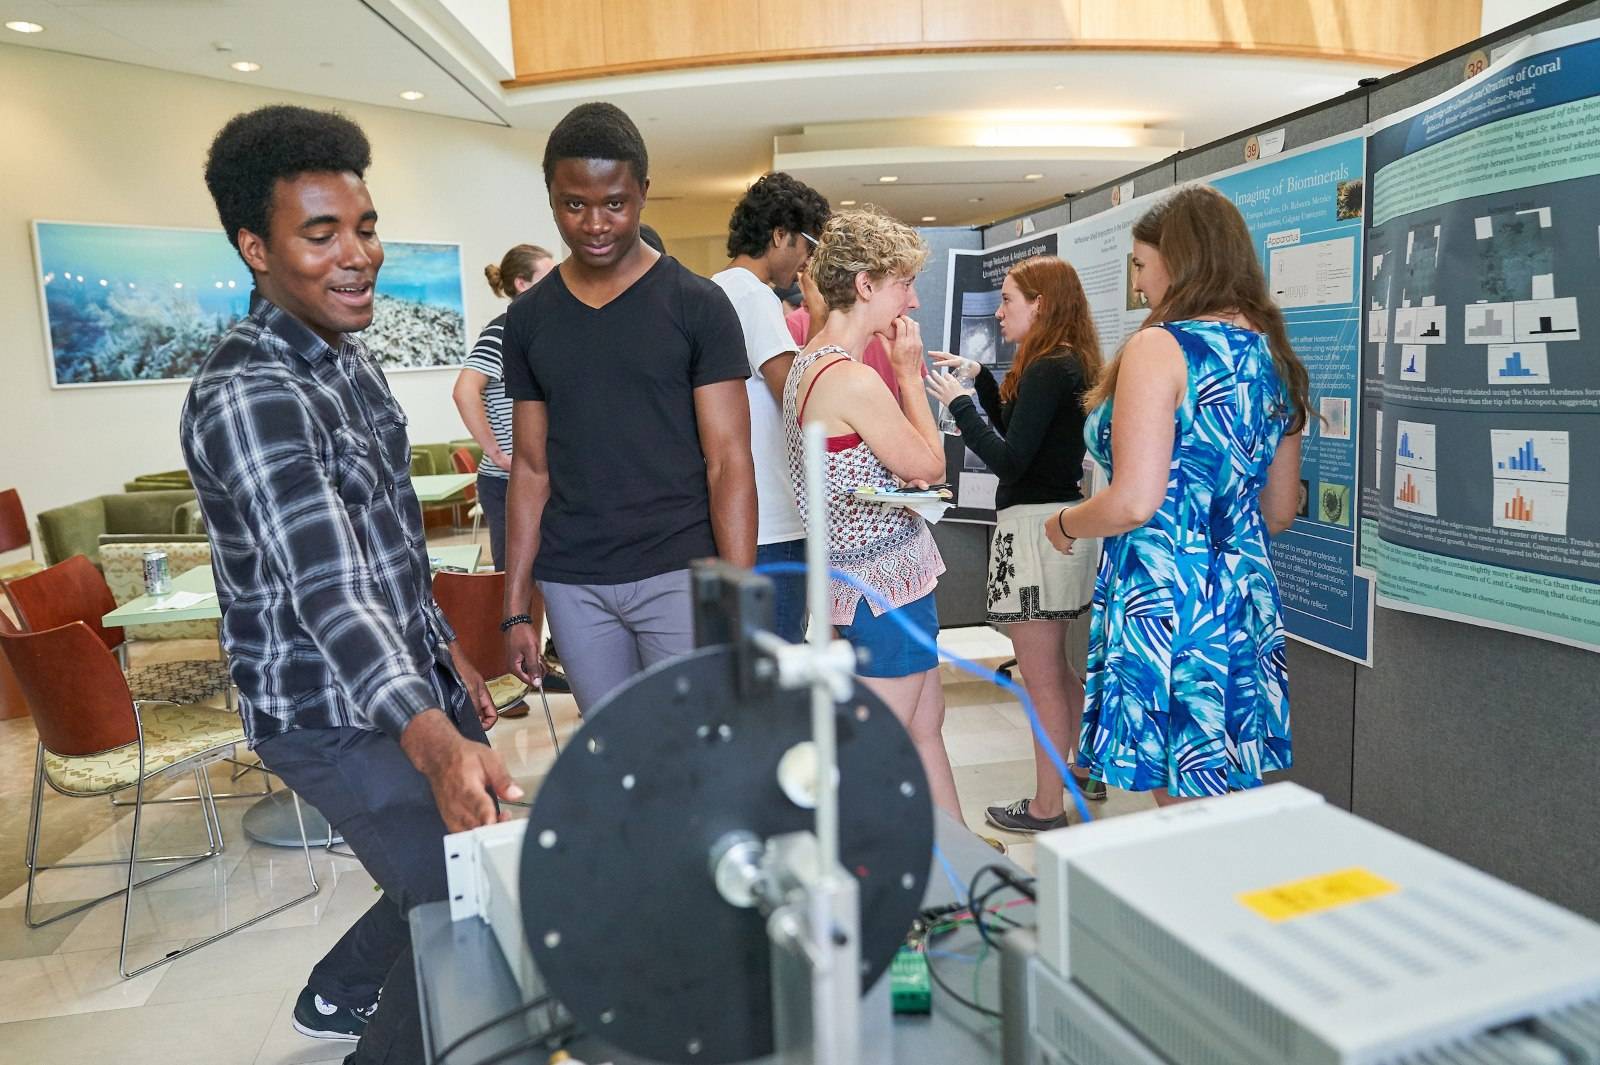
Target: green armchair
column 76, row 528
column 167, row 480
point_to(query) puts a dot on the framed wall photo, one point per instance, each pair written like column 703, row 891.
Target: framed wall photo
column 418, row 318
column 145, row 304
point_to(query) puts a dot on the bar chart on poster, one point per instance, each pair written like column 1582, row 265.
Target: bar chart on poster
column 1482, row 277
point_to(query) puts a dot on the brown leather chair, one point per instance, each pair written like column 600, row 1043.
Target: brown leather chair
column 14, row 534
column 96, row 740
column 73, row 590
column 463, row 461
column 471, row 603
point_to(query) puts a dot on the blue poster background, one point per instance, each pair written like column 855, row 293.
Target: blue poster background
column 1304, row 211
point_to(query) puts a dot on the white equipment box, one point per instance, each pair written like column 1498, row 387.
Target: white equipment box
column 1269, row 928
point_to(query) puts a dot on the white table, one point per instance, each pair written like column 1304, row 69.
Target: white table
column 152, row 610
column 271, row 820
column 441, row 487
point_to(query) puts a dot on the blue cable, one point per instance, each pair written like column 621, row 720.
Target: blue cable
column 950, row 871
column 1045, row 742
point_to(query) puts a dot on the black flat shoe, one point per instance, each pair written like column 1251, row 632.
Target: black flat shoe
column 1016, row 818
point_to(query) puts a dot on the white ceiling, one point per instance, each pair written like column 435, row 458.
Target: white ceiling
column 343, row 49
column 710, row 131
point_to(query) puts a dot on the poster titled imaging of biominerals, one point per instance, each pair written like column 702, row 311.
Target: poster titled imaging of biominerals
column 1304, row 212
column 1481, row 478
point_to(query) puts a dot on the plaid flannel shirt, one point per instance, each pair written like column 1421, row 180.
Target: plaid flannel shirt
column 301, row 462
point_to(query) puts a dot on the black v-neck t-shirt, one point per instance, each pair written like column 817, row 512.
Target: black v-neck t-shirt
column 628, row 493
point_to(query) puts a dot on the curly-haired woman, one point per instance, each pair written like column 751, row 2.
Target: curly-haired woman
column 865, row 269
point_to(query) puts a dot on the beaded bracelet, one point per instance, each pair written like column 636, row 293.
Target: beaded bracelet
column 514, row 620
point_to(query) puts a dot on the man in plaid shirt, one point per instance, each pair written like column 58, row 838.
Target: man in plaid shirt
column 349, row 682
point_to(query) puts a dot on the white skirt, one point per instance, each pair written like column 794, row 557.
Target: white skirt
column 1029, row 580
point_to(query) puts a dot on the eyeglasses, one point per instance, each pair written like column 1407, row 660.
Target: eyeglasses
column 811, row 240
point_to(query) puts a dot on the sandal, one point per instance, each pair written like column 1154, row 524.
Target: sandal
column 1092, row 789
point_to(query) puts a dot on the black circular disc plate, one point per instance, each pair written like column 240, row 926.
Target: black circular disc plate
column 621, row 913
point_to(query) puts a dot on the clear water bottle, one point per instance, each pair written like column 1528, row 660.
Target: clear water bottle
column 965, row 375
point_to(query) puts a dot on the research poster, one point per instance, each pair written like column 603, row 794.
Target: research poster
column 1481, row 472
column 1100, row 249
column 1304, row 211
column 972, row 295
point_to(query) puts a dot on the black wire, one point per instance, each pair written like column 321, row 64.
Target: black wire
column 978, row 904
column 934, row 974
column 473, row 1033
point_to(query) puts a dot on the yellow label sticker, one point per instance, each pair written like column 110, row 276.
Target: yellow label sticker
column 1317, row 893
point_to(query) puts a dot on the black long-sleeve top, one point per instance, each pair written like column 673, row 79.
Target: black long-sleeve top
column 1036, row 445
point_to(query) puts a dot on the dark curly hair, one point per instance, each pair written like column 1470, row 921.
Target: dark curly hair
column 596, row 131
column 255, row 149
column 775, row 201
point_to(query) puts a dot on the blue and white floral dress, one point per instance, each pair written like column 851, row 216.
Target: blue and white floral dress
column 1186, row 686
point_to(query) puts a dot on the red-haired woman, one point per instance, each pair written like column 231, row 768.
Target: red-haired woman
column 1033, row 441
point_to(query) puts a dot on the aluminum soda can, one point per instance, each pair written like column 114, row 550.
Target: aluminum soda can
column 157, row 577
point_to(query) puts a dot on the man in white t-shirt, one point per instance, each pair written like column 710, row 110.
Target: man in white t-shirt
column 770, row 237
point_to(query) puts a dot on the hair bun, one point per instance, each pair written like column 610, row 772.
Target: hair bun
column 492, row 272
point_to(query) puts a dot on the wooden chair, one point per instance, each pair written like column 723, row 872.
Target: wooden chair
column 463, row 461
column 73, row 590
column 96, row 739
column 14, row 534
column 472, row 602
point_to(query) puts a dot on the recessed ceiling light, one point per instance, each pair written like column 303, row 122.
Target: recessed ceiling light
column 929, row 218
column 244, row 66
column 1031, row 177
column 847, row 203
column 25, row 27
column 411, row 94
column 1058, row 86
column 974, row 199
column 888, row 179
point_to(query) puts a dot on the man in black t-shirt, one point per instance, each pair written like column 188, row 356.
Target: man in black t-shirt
column 631, row 429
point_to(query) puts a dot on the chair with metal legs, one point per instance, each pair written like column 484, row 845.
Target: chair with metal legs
column 73, row 590
column 96, row 740
column 471, row 602
column 462, row 460
column 14, row 534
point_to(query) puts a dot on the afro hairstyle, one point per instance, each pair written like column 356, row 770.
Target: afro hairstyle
column 775, row 201
column 597, row 131
column 258, row 148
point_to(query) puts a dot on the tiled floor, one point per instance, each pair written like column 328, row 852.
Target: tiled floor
column 229, row 1003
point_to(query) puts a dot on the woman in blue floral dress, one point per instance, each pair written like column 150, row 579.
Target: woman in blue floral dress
column 1198, row 422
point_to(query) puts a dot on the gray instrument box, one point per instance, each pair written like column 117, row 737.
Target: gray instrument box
column 1283, row 931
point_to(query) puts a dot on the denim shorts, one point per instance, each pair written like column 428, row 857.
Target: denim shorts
column 890, row 650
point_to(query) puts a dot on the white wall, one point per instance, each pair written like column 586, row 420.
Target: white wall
column 93, row 141
column 1498, row 14
column 489, row 22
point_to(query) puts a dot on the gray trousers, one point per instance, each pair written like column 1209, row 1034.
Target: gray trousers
column 606, row 633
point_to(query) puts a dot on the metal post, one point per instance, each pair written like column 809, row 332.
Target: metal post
column 818, row 601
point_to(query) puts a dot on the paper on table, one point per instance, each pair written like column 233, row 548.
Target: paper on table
column 976, row 490
column 180, row 600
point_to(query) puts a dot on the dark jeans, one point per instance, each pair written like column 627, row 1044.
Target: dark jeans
column 789, row 590
column 492, row 498
column 369, row 791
